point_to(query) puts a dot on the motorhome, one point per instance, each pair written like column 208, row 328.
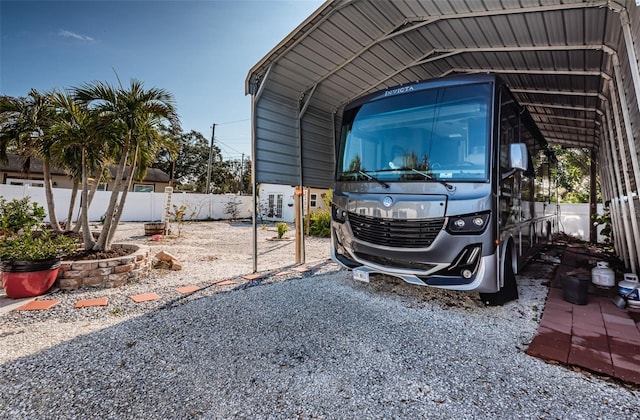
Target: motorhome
column 446, row 183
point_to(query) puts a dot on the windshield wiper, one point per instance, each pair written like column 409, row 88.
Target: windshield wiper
column 433, row 178
column 384, row 184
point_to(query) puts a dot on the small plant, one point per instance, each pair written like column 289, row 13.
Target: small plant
column 606, row 232
column 21, row 241
column 17, row 215
column 178, row 216
column 35, row 246
column 320, row 219
column 282, row 229
column 320, row 223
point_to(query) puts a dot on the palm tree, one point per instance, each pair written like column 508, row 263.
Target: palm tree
column 135, row 116
column 74, row 140
column 23, row 123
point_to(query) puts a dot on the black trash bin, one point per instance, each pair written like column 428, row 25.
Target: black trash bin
column 576, row 288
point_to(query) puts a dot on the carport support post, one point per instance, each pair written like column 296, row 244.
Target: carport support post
column 297, row 201
column 593, row 206
column 627, row 181
column 607, row 173
column 622, row 207
column 633, row 153
column 608, row 189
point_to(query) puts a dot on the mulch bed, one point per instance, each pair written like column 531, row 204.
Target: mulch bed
column 84, row 255
column 98, row 255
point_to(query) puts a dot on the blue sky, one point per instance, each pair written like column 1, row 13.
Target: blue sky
column 200, row 51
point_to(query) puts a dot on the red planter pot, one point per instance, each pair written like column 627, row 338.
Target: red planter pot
column 22, row 279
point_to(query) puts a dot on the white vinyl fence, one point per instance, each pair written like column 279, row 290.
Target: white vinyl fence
column 144, row 207
column 139, row 206
column 574, row 220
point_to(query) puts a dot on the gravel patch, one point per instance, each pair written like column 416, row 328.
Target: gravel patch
column 305, row 345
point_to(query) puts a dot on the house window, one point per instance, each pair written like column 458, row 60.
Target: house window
column 142, row 188
column 28, row 182
column 313, row 200
column 101, row 187
column 275, row 205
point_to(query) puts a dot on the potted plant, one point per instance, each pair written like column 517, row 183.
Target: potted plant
column 29, row 257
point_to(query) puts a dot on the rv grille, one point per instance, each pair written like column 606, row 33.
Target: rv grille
column 418, row 233
column 394, row 262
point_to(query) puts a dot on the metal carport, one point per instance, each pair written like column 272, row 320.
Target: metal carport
column 574, row 64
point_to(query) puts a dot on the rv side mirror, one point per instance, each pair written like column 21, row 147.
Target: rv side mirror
column 518, row 156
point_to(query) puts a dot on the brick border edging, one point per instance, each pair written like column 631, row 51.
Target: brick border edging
column 106, row 273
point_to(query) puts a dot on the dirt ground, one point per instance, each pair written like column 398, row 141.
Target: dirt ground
column 224, row 249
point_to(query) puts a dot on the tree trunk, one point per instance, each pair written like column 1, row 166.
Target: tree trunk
column 95, row 186
column 101, row 244
column 72, row 204
column 48, row 190
column 123, row 197
column 87, row 237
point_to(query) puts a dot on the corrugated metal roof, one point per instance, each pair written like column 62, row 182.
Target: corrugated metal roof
column 557, row 56
column 572, row 63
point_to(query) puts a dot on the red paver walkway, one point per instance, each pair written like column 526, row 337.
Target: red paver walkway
column 226, row 282
column 145, row 297
column 598, row 336
column 254, row 276
column 8, row 304
column 187, row 289
column 86, row 303
column 38, row 305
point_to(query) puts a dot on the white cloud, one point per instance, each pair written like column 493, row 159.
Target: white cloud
column 69, row 34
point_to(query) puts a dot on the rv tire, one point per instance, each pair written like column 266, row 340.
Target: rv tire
column 509, row 290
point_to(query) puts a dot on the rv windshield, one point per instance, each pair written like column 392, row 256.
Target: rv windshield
column 438, row 134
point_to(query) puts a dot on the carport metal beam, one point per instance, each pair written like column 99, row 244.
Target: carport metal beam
column 443, row 53
column 629, row 249
column 627, row 125
column 627, row 180
column 418, row 23
column 256, row 92
column 609, row 191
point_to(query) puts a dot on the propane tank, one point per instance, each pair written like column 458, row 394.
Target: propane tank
column 630, row 289
column 602, row 275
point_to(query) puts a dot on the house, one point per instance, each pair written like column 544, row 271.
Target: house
column 275, row 202
column 11, row 173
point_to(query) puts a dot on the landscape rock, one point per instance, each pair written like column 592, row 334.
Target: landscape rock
column 165, row 256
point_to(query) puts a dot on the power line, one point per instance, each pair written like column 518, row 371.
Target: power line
column 234, row 122
column 224, row 144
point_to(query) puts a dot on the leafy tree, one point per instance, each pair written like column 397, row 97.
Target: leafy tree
column 573, row 174
column 188, row 163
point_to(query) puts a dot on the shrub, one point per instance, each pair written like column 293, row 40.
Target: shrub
column 282, row 229
column 16, row 215
column 320, row 223
column 21, row 241
column 34, row 246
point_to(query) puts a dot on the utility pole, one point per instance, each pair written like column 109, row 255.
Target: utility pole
column 241, row 174
column 213, row 131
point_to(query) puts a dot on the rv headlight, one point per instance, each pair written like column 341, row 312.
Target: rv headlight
column 468, row 223
column 338, row 215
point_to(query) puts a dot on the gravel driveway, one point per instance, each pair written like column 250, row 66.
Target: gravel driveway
column 312, row 346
